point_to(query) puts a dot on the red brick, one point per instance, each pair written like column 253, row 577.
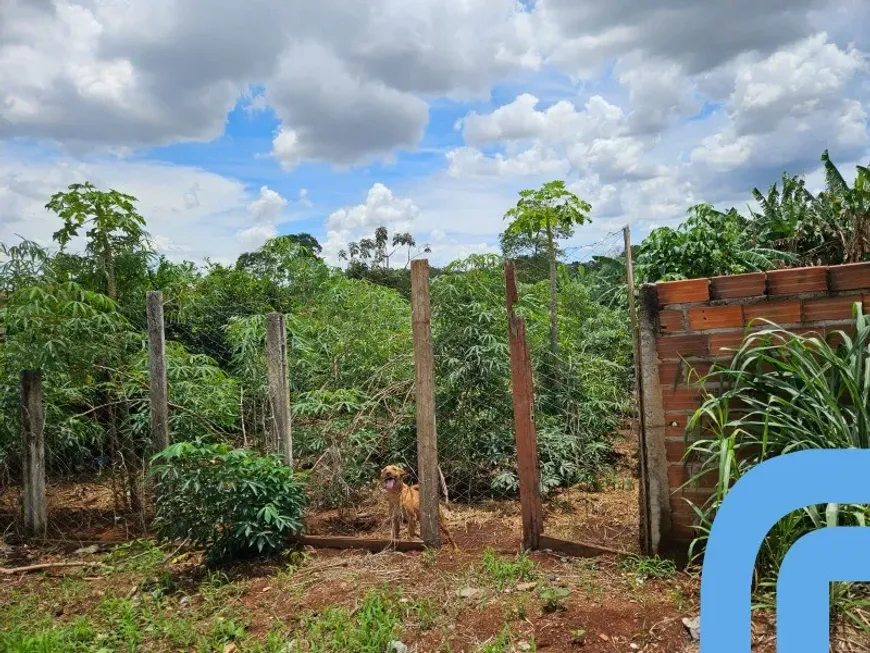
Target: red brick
column 677, row 475
column 676, row 421
column 781, row 312
column 676, row 346
column 675, row 449
column 681, row 399
column 731, row 340
column 715, row 317
column 855, row 276
column 671, row 374
column 797, row 280
column 829, row 308
column 738, row 285
column 866, row 304
column 680, row 372
column 671, row 321
column 683, row 292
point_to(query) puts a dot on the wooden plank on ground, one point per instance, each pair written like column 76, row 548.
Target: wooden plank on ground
column 331, row 542
column 578, row 549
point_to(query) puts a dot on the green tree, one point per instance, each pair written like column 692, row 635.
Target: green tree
column 852, row 208
column 708, row 244
column 552, row 212
column 111, row 222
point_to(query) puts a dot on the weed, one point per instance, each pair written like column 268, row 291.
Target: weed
column 501, row 644
column 551, row 599
column 588, row 581
column 646, row 568
column 138, row 555
column 504, row 573
column 368, row 629
column 578, row 637
column 429, row 557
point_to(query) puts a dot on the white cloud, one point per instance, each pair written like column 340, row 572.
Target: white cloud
column 181, row 204
column 786, row 109
column 343, row 76
column 268, row 206
column 381, row 208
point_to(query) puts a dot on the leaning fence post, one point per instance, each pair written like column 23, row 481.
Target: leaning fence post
column 427, row 437
column 524, row 421
column 279, row 392
column 33, row 448
column 157, row 381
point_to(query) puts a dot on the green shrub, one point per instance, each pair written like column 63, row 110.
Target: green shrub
column 232, row 502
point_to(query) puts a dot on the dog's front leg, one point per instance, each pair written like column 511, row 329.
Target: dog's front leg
column 396, row 522
column 412, row 525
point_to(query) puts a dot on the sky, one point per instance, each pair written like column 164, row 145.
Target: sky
column 232, row 122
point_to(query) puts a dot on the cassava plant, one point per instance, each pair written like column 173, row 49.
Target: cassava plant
column 233, row 503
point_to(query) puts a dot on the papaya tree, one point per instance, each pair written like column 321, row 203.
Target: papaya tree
column 551, row 212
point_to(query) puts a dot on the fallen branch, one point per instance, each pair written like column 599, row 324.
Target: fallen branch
column 49, row 565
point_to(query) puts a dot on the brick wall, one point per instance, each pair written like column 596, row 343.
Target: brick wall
column 695, row 323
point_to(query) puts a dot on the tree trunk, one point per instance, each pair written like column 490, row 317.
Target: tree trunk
column 554, row 327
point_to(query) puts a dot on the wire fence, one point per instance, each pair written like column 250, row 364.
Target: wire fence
column 351, row 375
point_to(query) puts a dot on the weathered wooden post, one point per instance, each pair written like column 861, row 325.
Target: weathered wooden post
column 279, row 391
column 524, row 421
column 645, row 533
column 33, row 449
column 157, row 381
column 427, row 437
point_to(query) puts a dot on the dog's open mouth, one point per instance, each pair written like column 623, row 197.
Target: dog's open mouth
column 389, row 483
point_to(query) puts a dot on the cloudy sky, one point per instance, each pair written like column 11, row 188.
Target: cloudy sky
column 233, row 121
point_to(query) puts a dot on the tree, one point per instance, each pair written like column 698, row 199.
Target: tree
column 709, row 243
column 529, row 252
column 306, row 241
column 552, row 212
column 113, row 226
column 114, row 231
column 852, row 207
column 790, row 222
column 405, row 240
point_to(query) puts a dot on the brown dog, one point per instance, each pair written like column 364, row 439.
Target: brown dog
column 405, row 500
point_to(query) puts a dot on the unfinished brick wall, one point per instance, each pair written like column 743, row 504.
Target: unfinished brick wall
column 693, row 323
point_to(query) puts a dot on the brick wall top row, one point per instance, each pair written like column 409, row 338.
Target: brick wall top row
column 790, row 281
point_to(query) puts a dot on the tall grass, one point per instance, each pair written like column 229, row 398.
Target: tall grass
column 782, row 392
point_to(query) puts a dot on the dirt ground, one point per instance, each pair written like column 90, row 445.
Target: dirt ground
column 486, row 596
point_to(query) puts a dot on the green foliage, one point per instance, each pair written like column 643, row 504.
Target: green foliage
column 709, row 243
column 550, row 212
column 232, row 502
column 369, row 629
column 792, row 227
column 797, row 392
column 503, row 573
column 645, row 568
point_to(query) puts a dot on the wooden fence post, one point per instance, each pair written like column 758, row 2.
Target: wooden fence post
column 427, row 438
column 526, row 437
column 33, row 448
column 279, row 391
column 645, row 534
column 157, row 381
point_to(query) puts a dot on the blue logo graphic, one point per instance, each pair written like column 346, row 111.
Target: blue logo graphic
column 763, row 496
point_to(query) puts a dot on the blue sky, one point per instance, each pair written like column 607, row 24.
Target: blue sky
column 335, row 118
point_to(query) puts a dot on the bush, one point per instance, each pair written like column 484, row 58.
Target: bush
column 232, row 502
